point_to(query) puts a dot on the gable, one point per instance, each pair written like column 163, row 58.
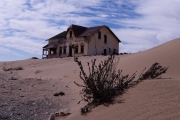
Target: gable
column 77, row 30
column 113, row 33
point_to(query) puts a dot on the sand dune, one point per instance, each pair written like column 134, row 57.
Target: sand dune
column 151, row 99
column 166, row 54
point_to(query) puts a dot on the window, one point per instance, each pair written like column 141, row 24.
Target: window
column 60, row 50
column 99, row 35
column 105, row 52
column 44, row 52
column 105, row 38
column 82, row 48
column 76, row 49
column 70, row 34
column 114, row 51
column 64, row 49
column 109, row 50
column 53, row 51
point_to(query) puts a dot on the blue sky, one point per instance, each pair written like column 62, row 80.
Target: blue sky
column 139, row 24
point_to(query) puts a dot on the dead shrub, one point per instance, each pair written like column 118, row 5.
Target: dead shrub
column 13, row 78
column 37, row 71
column 155, row 71
column 104, row 83
column 34, row 58
column 59, row 94
column 10, row 69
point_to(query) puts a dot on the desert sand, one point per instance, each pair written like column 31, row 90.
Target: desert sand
column 29, row 93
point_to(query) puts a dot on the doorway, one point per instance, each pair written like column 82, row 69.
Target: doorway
column 70, row 51
column 105, row 52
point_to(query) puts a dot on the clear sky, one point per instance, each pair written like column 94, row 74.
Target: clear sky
column 139, row 24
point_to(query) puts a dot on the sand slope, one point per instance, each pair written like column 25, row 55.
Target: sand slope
column 151, row 99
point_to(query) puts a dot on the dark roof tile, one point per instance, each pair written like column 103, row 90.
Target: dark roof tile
column 77, row 29
column 60, row 35
column 91, row 30
column 81, row 31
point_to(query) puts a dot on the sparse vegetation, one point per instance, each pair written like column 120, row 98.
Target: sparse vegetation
column 103, row 83
column 12, row 78
column 37, row 71
column 34, row 58
column 155, row 71
column 12, row 68
column 59, row 94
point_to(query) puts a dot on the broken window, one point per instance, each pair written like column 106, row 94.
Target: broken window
column 114, row 51
column 52, row 51
column 105, row 39
column 70, row 34
column 99, row 35
column 60, row 50
column 82, row 48
column 64, row 49
column 76, row 49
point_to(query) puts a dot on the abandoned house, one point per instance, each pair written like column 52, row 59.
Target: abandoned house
column 79, row 41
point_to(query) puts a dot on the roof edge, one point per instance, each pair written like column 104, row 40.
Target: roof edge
column 113, row 33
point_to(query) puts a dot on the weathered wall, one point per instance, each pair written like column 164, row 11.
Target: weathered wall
column 76, row 41
column 97, row 46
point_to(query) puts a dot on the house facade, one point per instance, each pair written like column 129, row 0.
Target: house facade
column 79, row 41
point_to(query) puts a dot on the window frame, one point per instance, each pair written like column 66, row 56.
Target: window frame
column 52, row 51
column 60, row 50
column 105, row 39
column 99, row 35
column 82, row 48
column 114, row 51
column 76, row 48
column 64, row 50
column 70, row 34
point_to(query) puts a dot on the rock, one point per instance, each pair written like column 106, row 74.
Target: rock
column 52, row 117
column 60, row 93
column 65, row 112
column 4, row 117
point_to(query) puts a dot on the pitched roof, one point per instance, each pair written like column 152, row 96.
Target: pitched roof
column 82, row 31
column 50, row 46
column 77, row 29
column 45, row 46
column 60, row 35
column 91, row 30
